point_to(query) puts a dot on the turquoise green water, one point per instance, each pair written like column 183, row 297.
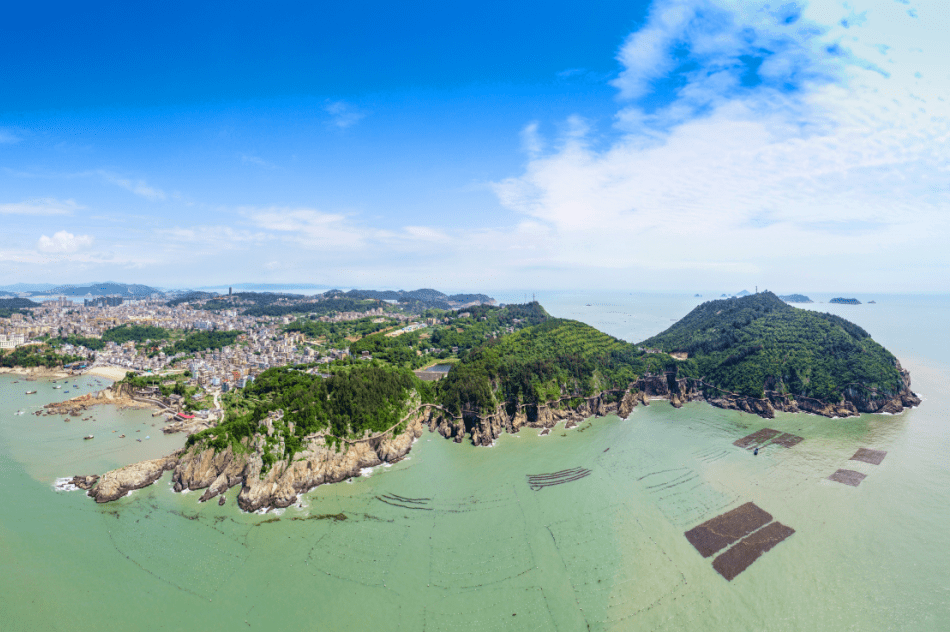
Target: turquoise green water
column 483, row 551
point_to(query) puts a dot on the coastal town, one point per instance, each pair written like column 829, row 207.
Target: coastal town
column 183, row 355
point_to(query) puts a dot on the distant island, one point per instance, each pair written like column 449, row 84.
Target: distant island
column 796, row 298
column 845, row 301
column 295, row 427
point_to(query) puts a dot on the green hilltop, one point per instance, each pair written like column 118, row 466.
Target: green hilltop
column 741, row 345
column 749, row 344
column 557, row 358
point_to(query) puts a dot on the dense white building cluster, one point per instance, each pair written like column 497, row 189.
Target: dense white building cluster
column 263, row 344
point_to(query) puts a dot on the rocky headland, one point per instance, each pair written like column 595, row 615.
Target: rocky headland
column 120, row 395
column 280, row 485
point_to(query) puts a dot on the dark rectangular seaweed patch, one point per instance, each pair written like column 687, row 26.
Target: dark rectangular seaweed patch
column 741, row 556
column 756, row 438
column 874, row 457
column 788, row 440
column 725, row 529
column 848, row 477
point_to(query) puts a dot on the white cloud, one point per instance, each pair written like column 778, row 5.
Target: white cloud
column 531, row 140
column 312, row 228
column 249, row 159
column 836, row 147
column 138, row 187
column 7, row 137
column 41, row 206
column 343, row 115
column 63, row 242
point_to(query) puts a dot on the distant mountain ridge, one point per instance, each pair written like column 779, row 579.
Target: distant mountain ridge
column 18, row 288
column 425, row 296
column 132, row 290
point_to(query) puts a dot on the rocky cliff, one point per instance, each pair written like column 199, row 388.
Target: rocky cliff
column 280, row 485
column 856, row 399
column 200, row 468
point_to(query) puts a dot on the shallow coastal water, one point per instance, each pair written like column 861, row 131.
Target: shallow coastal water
column 454, row 538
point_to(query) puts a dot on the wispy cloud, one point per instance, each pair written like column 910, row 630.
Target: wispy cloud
column 63, row 242
column 248, row 159
column 343, row 115
column 311, row 228
column 8, row 137
column 531, row 140
column 819, row 145
column 138, row 187
column 41, row 206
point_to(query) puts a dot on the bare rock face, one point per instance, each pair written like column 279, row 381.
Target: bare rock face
column 197, row 470
column 280, row 485
column 318, row 463
column 628, row 402
column 653, row 385
column 84, row 482
column 118, row 483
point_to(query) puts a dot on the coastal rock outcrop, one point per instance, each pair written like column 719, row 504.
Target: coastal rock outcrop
column 84, row 482
column 117, row 483
column 119, row 394
column 319, row 462
column 281, row 484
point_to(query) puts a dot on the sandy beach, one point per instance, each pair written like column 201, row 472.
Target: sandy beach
column 110, row 372
column 36, row 372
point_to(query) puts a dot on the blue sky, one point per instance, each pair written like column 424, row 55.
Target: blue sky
column 669, row 145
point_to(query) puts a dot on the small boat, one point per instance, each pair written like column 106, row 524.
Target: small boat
column 58, row 386
column 122, row 436
column 19, row 412
column 88, row 437
column 31, row 392
column 139, row 440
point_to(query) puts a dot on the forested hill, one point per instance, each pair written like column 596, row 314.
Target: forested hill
column 758, row 341
column 743, row 345
column 554, row 359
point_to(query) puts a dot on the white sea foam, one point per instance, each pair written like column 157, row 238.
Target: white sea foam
column 63, row 485
column 366, row 472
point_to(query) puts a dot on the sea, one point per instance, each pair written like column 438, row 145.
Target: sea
column 456, row 538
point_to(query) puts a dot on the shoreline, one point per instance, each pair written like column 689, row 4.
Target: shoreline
column 37, row 372
column 318, row 463
column 113, row 373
